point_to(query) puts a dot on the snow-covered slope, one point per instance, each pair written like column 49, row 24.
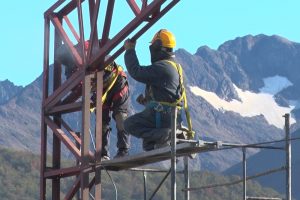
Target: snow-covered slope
column 253, row 104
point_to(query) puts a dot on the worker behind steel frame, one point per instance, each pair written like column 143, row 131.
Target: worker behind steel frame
column 163, row 88
column 115, row 100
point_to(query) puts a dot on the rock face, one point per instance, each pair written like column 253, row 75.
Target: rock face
column 243, row 62
column 8, row 90
column 20, row 118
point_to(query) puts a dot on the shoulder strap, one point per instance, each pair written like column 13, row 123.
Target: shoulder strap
column 183, row 98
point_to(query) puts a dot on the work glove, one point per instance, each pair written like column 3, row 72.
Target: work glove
column 129, row 44
column 141, row 99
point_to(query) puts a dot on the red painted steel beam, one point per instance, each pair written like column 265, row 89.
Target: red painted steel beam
column 94, row 11
column 142, row 30
column 134, row 7
column 64, row 108
column 81, row 31
column 107, row 22
column 73, row 96
column 85, row 137
column 68, row 8
column 64, row 89
column 63, row 137
column 73, row 190
column 45, row 95
column 98, row 136
column 71, row 27
column 58, row 27
column 62, row 173
column 53, row 7
column 56, row 143
column 95, row 62
column 144, row 4
column 68, row 128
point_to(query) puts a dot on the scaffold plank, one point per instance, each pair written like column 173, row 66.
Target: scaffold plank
column 156, row 155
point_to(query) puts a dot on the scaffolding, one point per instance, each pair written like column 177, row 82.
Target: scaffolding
column 73, row 95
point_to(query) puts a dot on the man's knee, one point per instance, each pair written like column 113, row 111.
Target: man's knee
column 120, row 118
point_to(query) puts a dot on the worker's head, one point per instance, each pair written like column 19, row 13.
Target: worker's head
column 162, row 45
column 164, row 39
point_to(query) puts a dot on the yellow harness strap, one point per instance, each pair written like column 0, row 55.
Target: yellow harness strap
column 115, row 77
column 183, row 98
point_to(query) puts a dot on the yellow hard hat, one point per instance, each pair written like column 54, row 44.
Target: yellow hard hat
column 167, row 38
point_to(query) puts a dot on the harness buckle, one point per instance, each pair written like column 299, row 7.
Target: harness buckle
column 159, row 108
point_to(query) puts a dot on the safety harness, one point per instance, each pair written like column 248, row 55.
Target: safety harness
column 160, row 106
column 112, row 80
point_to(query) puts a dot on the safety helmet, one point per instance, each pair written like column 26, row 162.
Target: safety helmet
column 166, row 37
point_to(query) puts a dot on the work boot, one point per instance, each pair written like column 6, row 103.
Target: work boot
column 148, row 146
column 104, row 158
column 163, row 142
column 121, row 153
column 182, row 132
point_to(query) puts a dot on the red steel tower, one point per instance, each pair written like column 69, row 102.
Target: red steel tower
column 61, row 97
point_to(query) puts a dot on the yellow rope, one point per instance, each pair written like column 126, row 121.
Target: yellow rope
column 116, row 74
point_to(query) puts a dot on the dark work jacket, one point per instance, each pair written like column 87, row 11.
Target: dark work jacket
column 64, row 57
column 161, row 76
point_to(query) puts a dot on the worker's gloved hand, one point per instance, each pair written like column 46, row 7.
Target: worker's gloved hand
column 129, row 44
column 141, row 99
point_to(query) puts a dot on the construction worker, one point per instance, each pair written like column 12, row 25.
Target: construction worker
column 115, row 101
column 163, row 90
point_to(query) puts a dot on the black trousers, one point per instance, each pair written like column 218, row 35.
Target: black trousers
column 117, row 108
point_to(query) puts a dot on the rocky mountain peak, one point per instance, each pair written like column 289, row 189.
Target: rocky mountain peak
column 8, row 90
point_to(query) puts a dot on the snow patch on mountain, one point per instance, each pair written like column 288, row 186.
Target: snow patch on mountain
column 294, row 103
column 273, row 85
column 252, row 104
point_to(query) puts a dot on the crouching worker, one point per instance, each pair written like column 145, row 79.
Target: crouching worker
column 115, row 101
column 164, row 88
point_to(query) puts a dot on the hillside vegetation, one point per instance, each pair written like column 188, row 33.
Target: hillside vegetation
column 19, row 180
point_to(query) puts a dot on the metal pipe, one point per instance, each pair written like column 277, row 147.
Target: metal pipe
column 237, row 181
column 173, row 152
column 244, row 174
column 162, row 181
column 186, row 177
column 145, row 184
column 288, row 158
column 263, row 198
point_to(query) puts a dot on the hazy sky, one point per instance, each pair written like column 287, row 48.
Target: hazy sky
column 194, row 22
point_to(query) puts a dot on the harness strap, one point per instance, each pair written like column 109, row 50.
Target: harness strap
column 183, row 98
column 118, row 71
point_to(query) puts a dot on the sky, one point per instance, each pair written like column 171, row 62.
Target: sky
column 194, row 22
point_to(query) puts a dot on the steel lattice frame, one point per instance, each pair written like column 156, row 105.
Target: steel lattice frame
column 73, row 95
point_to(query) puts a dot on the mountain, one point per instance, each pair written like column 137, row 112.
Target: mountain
column 232, row 92
column 20, row 119
column 19, row 179
column 237, row 93
column 8, row 90
column 271, row 159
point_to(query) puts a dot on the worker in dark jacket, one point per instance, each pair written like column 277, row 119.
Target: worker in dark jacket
column 162, row 81
column 115, row 101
